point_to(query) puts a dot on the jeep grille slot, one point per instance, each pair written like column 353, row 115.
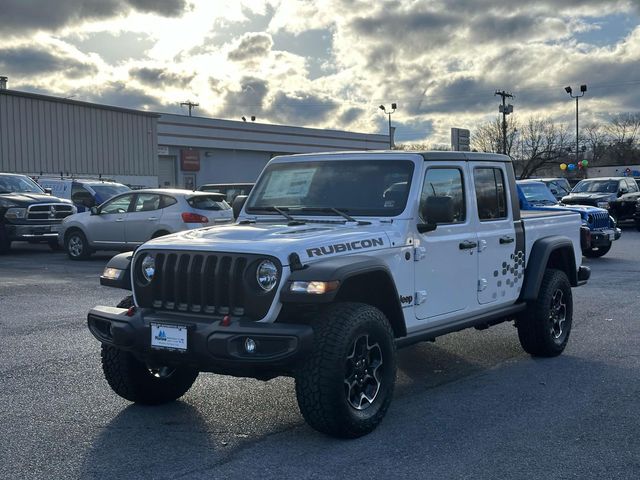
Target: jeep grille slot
column 598, row 220
column 214, row 284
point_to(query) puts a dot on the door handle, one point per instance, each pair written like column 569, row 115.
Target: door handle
column 152, row 218
column 466, row 245
column 504, row 240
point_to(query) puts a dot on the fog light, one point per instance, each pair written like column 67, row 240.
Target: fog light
column 250, row 345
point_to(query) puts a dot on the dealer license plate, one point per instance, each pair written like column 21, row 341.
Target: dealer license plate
column 173, row 337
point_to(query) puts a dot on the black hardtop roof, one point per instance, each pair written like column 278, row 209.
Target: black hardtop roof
column 429, row 155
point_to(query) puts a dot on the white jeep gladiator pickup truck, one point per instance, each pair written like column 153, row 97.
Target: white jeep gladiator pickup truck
column 336, row 260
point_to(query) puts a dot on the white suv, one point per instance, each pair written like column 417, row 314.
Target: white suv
column 130, row 219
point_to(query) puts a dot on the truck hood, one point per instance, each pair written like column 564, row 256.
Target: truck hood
column 26, row 199
column 588, row 197
column 311, row 241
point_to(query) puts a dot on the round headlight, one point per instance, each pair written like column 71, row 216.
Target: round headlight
column 148, row 267
column 267, row 275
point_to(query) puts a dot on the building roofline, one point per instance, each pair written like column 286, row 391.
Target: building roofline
column 48, row 98
column 227, row 124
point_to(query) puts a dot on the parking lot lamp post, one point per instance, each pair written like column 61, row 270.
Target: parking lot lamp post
column 583, row 89
column 389, row 112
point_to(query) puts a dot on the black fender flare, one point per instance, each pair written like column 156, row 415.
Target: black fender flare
column 541, row 252
column 345, row 270
column 121, row 262
column 334, row 269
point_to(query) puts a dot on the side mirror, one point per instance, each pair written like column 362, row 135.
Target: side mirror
column 237, row 205
column 48, row 191
column 94, row 211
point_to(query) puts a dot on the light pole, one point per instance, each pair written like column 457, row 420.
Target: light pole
column 583, row 89
column 393, row 109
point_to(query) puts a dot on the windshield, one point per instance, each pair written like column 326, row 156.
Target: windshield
column 18, row 184
column 604, row 186
column 537, row 193
column 108, row 190
column 370, row 188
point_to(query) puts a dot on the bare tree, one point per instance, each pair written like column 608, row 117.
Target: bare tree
column 595, row 138
column 624, row 130
column 422, row 146
column 545, row 142
column 488, row 136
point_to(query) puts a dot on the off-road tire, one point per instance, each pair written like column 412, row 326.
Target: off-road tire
column 597, row 252
column 76, row 245
column 538, row 326
column 126, row 302
column 320, row 381
column 134, row 381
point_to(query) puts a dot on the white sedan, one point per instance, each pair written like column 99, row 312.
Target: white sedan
column 128, row 220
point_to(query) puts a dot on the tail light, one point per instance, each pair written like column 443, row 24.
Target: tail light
column 190, row 217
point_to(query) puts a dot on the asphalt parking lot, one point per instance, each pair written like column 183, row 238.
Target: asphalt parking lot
column 471, row 405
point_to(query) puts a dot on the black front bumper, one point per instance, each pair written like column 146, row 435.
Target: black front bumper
column 211, row 347
column 602, row 238
column 32, row 232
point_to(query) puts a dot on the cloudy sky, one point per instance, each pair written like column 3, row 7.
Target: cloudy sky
column 330, row 63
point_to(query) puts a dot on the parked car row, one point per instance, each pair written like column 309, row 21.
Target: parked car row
column 599, row 230
column 114, row 217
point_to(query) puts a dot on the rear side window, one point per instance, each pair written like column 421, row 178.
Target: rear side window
column 167, row 201
column 491, row 196
column 208, row 202
column 147, row 202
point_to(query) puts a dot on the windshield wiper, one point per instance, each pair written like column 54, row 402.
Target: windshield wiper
column 281, row 211
column 342, row 213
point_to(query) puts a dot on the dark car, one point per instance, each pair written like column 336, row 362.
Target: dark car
column 29, row 214
column 619, row 195
column 230, row 190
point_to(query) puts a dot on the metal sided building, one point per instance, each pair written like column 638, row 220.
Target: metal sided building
column 195, row 150
column 44, row 135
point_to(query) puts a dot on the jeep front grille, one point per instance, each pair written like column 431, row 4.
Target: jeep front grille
column 51, row 212
column 598, row 220
column 214, row 284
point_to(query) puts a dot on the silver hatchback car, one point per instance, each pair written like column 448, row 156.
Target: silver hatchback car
column 128, row 220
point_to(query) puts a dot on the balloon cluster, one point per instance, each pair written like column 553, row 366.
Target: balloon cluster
column 572, row 166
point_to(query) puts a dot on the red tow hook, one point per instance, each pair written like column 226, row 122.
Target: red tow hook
column 131, row 311
column 226, row 321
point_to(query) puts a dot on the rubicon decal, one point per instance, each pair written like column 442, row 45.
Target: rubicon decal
column 345, row 247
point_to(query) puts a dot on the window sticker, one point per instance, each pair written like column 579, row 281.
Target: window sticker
column 293, row 183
